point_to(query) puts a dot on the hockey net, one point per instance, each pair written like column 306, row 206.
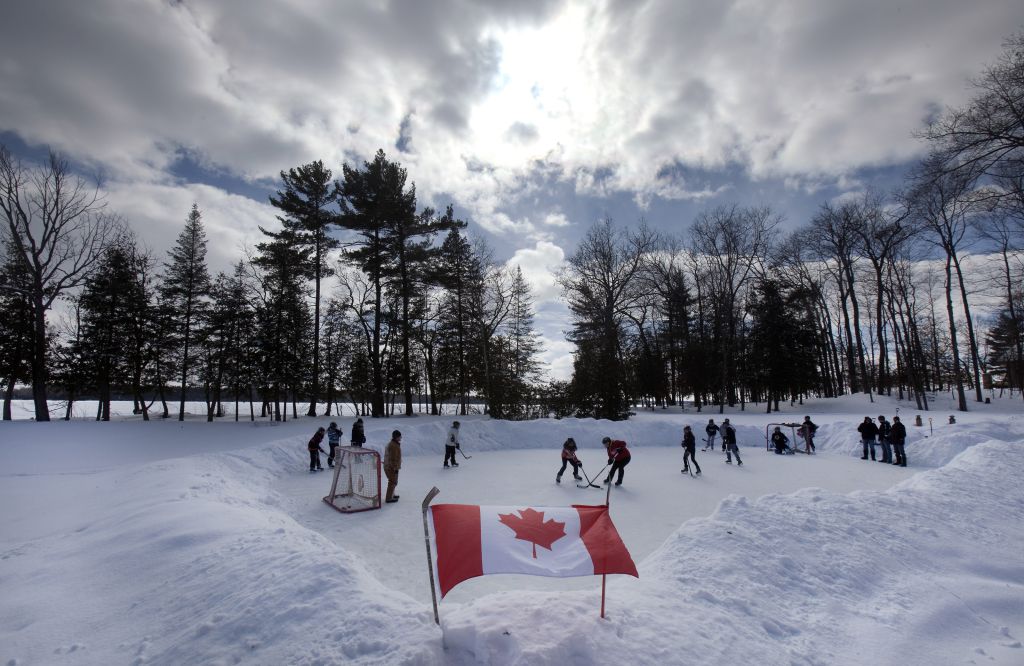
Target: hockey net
column 356, row 482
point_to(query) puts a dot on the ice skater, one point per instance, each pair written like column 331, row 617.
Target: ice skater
column 618, row 458
column 358, row 436
column 315, row 450
column 333, row 438
column 729, row 443
column 807, row 430
column 569, row 458
column 712, row 431
column 689, row 449
column 450, row 444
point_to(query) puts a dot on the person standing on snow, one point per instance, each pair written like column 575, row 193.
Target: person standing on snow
column 898, row 435
column 392, row 463
column 807, row 430
column 618, row 458
column 883, row 438
column 729, row 443
column 333, row 437
column 689, row 451
column 569, row 458
column 358, row 436
column 450, row 444
column 712, row 432
column 780, row 441
column 868, row 431
column 315, row 450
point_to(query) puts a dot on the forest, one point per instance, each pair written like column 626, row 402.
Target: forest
column 361, row 297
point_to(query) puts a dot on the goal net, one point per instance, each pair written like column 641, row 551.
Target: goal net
column 356, row 482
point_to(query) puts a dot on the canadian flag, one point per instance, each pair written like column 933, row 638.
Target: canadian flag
column 469, row 541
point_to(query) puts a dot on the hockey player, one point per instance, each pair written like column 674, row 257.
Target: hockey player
column 868, row 431
column 729, row 443
column 569, row 458
column 358, row 436
column 712, row 432
column 689, row 449
column 333, row 437
column 315, row 450
column 780, row 442
column 807, row 430
column 618, row 458
column 450, row 444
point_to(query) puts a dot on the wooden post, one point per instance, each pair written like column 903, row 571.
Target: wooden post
column 604, row 577
column 426, row 538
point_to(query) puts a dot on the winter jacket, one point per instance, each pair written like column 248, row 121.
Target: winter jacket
column 728, row 434
column 392, row 457
column 689, row 442
column 808, row 427
column 867, row 430
column 569, row 451
column 314, row 443
column 333, row 435
column 883, row 431
column 898, row 433
column 779, row 440
column 453, row 437
column 617, row 451
column 358, row 438
column 711, row 430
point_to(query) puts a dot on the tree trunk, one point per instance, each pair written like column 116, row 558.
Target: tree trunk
column 961, row 398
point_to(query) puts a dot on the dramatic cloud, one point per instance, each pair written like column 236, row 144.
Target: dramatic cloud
column 524, row 114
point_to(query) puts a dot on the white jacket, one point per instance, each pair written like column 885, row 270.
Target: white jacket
column 453, row 437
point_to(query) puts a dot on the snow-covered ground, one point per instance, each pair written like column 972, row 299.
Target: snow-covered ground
column 197, row 543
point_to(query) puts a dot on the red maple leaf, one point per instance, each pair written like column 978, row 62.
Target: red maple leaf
column 532, row 527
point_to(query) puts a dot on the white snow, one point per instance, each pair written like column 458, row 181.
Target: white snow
column 197, row 543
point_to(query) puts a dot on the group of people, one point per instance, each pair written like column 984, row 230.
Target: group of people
column 891, row 437
column 618, row 458
column 333, row 433
column 712, row 430
column 805, row 431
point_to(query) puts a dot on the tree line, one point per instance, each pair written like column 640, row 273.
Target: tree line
column 358, row 296
column 868, row 296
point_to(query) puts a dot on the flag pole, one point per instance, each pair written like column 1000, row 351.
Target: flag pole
column 426, row 538
column 604, row 577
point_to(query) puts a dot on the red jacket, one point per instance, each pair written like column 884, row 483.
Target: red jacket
column 617, row 450
column 314, row 444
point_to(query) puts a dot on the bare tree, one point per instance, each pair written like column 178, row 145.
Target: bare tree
column 59, row 226
column 733, row 243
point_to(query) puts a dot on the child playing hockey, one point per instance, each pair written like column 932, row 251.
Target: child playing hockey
column 689, row 449
column 618, row 458
column 780, row 442
column 333, row 437
column 569, row 458
column 315, row 450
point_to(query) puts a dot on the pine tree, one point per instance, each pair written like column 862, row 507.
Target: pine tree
column 307, row 203
column 186, row 286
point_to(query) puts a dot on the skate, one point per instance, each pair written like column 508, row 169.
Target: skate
column 558, row 479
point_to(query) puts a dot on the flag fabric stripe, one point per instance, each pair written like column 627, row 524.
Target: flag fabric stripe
column 457, row 544
column 607, row 551
column 471, row 541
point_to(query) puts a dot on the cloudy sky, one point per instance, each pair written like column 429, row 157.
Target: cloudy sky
column 533, row 118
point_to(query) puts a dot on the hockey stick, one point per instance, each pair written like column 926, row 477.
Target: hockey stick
column 459, row 449
column 590, row 484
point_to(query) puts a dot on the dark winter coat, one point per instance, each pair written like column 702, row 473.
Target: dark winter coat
column 358, row 438
column 689, row 441
column 314, row 443
column 867, row 430
column 898, row 433
column 711, row 430
column 728, row 434
column 883, row 431
column 779, row 440
column 808, row 427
